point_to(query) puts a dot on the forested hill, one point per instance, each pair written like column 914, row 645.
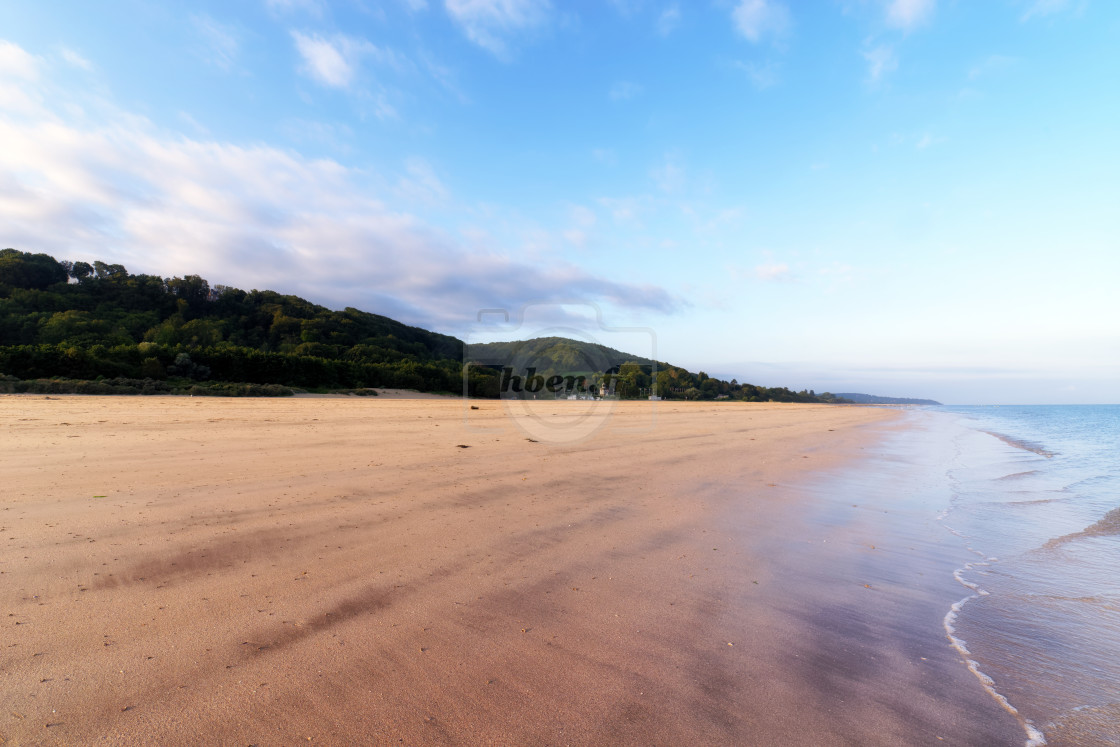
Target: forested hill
column 84, row 321
column 559, row 353
column 96, row 328
column 633, row 376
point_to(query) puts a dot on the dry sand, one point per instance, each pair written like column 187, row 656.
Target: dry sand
column 381, row 394
column 342, row 571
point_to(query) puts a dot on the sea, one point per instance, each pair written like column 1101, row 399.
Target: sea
column 1033, row 493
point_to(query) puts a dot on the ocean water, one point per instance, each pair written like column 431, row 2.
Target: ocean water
column 1034, row 494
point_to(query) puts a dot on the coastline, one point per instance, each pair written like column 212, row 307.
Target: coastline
column 1035, row 501
column 867, row 591
column 199, row 570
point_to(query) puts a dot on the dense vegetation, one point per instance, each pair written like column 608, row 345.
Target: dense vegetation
column 629, row 376
column 558, row 353
column 75, row 326
column 88, row 322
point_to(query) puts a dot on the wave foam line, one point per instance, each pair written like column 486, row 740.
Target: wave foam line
column 1035, row 738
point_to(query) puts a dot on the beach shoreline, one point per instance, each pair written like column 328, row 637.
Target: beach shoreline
column 187, row 570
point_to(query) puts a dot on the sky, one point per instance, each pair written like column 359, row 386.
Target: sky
column 900, row 197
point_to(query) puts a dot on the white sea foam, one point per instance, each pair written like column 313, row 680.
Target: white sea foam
column 1054, row 524
column 1035, row 737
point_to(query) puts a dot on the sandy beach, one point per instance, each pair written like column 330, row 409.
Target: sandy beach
column 384, row 570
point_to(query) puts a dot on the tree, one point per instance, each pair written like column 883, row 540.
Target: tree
column 151, row 368
column 30, row 271
column 109, row 272
column 81, row 270
column 113, row 324
column 188, row 369
column 192, row 289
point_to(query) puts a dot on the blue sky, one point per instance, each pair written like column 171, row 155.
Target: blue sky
column 907, row 197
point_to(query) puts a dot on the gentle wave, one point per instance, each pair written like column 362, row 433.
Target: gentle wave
column 1047, row 632
column 1035, row 737
column 1019, row 475
column 1108, row 526
column 1021, row 443
column 1088, row 724
column 1032, row 502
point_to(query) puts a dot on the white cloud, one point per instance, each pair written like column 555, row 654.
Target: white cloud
column 75, row 59
column 909, row 14
column 420, row 182
column 335, row 61
column 331, row 63
column 442, row 74
column 195, row 125
column 624, row 90
column 772, row 271
column 668, row 20
column 17, row 63
column 756, row 19
column 220, row 44
column 489, row 23
column 257, row 216
column 881, row 60
column 18, row 68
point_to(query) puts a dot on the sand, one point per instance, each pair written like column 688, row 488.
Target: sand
column 344, row 571
column 382, row 393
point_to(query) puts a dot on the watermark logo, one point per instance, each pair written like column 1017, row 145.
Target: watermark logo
column 559, row 371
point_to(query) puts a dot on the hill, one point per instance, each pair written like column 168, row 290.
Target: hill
column 545, row 353
column 872, row 399
column 87, row 322
column 622, row 374
column 96, row 328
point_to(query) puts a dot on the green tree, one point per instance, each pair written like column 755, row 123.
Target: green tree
column 81, row 270
column 151, row 368
column 32, row 271
column 109, row 272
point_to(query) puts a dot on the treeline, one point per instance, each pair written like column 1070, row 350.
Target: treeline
column 554, row 353
column 82, row 321
column 108, row 306
column 677, row 383
column 604, row 371
column 63, row 323
column 122, row 385
column 223, row 362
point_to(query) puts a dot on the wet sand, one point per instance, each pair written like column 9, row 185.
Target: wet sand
column 344, row 571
